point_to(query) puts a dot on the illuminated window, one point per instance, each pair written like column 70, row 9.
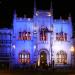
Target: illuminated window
column 61, row 57
column 61, row 36
column 20, row 56
column 24, row 35
column 43, row 34
column 24, row 57
column 28, row 56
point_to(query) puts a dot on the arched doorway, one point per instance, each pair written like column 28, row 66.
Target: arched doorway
column 43, row 58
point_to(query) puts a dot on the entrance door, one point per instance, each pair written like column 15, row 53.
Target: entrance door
column 43, row 58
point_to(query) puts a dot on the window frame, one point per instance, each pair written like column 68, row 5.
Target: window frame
column 63, row 57
column 24, row 59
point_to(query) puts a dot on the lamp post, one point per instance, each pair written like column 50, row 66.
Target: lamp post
column 35, row 27
column 51, row 31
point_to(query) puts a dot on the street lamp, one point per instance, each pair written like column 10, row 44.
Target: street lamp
column 51, row 31
column 72, row 49
column 35, row 28
column 13, row 46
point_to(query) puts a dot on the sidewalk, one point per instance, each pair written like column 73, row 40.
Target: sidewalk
column 38, row 71
column 44, row 72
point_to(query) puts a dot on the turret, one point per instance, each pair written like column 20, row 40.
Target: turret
column 69, row 17
column 51, row 8
column 34, row 7
column 51, row 11
column 70, row 23
column 14, row 14
column 14, row 17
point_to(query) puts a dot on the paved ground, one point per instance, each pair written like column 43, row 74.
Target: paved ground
column 36, row 72
column 39, row 71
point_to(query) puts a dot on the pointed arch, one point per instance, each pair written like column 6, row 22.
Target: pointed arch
column 24, row 57
column 51, row 8
column 34, row 7
column 61, row 57
column 43, row 49
column 43, row 53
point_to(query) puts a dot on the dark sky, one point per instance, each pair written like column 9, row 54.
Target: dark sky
column 60, row 8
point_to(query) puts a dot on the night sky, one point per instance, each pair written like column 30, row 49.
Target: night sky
column 60, row 8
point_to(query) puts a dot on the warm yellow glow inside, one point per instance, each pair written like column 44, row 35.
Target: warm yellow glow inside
column 38, row 62
column 72, row 49
column 41, row 55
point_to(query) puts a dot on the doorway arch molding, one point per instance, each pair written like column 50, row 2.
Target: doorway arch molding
column 45, row 50
column 47, row 53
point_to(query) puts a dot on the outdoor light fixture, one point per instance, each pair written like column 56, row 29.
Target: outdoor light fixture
column 35, row 28
column 13, row 46
column 72, row 49
column 36, row 14
column 51, row 28
column 51, row 31
column 49, row 14
column 72, row 54
column 34, row 47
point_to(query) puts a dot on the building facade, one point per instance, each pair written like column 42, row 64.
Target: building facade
column 41, row 39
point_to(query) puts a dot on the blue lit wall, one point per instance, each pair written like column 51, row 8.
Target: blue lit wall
column 43, row 18
column 5, row 45
column 20, row 45
column 61, row 45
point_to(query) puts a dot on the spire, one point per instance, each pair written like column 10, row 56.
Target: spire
column 61, row 26
column 14, row 18
column 69, row 17
column 34, row 7
column 51, row 8
column 60, row 18
column 14, row 14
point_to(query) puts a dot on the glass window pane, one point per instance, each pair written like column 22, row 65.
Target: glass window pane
column 22, row 60
column 22, row 55
column 61, row 57
column 25, row 56
column 28, row 56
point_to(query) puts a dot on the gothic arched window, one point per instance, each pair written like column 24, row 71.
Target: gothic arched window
column 61, row 36
column 61, row 57
column 24, row 35
column 43, row 33
column 24, row 57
